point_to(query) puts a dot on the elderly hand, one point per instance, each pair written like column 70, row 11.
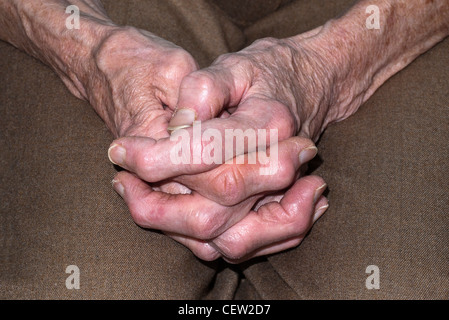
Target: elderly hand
column 270, row 85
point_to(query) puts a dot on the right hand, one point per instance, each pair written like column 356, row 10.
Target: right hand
column 135, row 81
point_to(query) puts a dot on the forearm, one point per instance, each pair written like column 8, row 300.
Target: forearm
column 360, row 59
column 39, row 28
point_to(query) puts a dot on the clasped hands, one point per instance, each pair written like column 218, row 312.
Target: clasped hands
column 220, row 209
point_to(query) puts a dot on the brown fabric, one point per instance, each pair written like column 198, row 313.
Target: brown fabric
column 195, row 25
column 245, row 12
column 297, row 17
column 386, row 168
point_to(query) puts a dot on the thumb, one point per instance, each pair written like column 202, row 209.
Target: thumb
column 204, row 94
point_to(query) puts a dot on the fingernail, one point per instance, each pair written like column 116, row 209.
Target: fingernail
column 118, row 187
column 183, row 118
column 319, row 192
column 117, row 154
column 307, row 154
column 319, row 212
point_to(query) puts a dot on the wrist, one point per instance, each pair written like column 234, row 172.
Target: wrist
column 344, row 74
column 360, row 59
column 43, row 33
column 316, row 75
column 347, row 71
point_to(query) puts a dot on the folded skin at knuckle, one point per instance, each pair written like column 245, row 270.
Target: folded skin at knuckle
column 283, row 120
column 138, row 213
column 234, row 246
column 228, row 60
column 227, row 185
column 142, row 165
column 286, row 173
column 299, row 217
column 265, row 43
column 136, row 91
column 293, row 217
column 142, row 99
column 202, row 81
column 147, row 118
column 205, row 252
column 272, row 212
column 205, row 225
column 146, row 213
column 175, row 65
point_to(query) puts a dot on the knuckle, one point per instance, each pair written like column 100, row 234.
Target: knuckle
column 266, row 42
column 205, row 226
column 138, row 214
column 237, row 63
column 233, row 249
column 301, row 223
column 285, row 174
column 298, row 219
column 201, row 86
column 142, row 164
column 143, row 214
column 282, row 119
column 294, row 219
column 206, row 253
column 201, row 80
column 182, row 57
column 179, row 64
column 230, row 59
column 228, row 185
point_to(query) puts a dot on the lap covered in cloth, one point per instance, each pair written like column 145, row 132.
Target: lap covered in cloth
column 386, row 166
